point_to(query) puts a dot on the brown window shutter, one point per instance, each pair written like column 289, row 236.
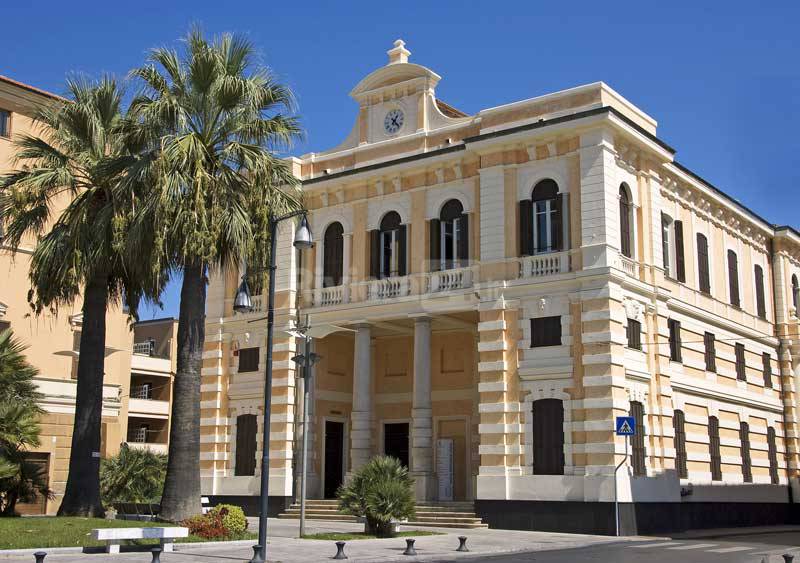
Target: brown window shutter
column 680, row 263
column 679, row 424
column 463, row 241
column 741, row 368
column 525, row 227
column 760, row 302
column 674, row 340
column 773, row 456
column 435, row 244
column 710, row 352
column 713, row 449
column 702, row 263
column 767, row 360
column 374, row 253
column 402, row 252
column 625, row 226
column 733, row 278
column 245, row 445
column 744, row 439
column 637, row 440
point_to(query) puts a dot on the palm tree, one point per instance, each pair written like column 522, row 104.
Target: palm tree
column 78, row 156
column 20, row 480
column 215, row 117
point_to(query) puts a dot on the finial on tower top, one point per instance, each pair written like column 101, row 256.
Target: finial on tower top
column 399, row 54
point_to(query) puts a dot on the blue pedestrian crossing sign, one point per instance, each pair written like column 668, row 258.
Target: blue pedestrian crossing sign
column 626, row 426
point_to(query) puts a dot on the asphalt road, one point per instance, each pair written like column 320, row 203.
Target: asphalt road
column 728, row 549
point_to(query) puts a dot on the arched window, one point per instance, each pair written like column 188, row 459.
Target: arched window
column 625, row 222
column 245, row 445
column 761, row 305
column 548, row 437
column 388, row 248
column 733, row 278
column 540, row 220
column 449, row 237
column 703, row 272
column 795, row 292
column 333, row 257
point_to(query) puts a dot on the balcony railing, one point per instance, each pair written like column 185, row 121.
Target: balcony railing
column 629, row 266
column 388, row 288
column 328, row 296
column 141, row 392
column 541, row 265
column 137, row 435
column 449, row 280
column 146, row 348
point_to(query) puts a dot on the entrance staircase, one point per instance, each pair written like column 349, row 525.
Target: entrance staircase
column 454, row 514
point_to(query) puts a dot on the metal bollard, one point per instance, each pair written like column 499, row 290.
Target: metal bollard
column 156, row 551
column 788, row 558
column 462, row 546
column 340, row 550
column 40, row 555
column 410, row 547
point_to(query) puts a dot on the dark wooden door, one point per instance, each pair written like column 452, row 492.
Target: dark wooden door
column 395, row 441
column 334, row 457
column 39, row 465
column 246, row 425
column 548, row 437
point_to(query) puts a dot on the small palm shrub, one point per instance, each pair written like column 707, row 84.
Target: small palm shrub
column 132, row 475
column 223, row 522
column 380, row 492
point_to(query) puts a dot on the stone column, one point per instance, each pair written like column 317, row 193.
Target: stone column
column 361, row 417
column 422, row 424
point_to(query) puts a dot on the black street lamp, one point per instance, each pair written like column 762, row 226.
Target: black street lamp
column 241, row 304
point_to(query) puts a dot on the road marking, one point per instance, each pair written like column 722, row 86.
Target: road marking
column 695, row 546
column 665, row 544
column 731, row 549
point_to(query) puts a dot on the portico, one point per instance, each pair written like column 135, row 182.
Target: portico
column 411, row 382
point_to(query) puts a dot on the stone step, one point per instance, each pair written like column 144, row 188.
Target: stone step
column 328, row 517
column 405, row 525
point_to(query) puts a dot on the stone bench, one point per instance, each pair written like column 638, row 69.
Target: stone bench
column 113, row 536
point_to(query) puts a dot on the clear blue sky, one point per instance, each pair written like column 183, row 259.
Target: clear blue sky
column 722, row 81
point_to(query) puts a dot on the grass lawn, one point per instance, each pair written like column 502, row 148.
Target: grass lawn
column 345, row 536
column 29, row 533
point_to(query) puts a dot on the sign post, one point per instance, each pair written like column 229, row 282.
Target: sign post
column 625, row 426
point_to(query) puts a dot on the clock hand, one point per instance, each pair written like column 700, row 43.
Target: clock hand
column 394, row 122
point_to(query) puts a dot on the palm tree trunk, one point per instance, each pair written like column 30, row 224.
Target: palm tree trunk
column 181, row 497
column 82, row 495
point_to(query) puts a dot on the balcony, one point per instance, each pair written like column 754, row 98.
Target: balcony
column 153, row 447
column 148, row 408
column 388, row 288
column 541, row 265
column 449, row 280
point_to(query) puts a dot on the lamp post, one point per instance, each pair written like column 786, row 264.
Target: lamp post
column 243, row 303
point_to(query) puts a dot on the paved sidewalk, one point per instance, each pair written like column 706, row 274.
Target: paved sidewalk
column 284, row 547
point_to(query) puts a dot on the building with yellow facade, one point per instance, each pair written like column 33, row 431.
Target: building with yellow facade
column 511, row 281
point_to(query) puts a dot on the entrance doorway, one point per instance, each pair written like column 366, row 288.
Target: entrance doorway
column 395, row 441
column 334, row 457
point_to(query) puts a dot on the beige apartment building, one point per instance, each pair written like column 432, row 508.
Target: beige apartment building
column 140, row 360
column 511, row 281
column 53, row 339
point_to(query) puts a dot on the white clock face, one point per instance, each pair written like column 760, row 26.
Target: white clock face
column 393, row 121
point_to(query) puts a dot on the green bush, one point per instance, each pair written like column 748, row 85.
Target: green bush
column 233, row 519
column 380, row 492
column 223, row 522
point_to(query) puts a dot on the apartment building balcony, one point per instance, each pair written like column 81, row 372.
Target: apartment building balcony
column 148, row 400
column 543, row 265
column 155, row 448
column 147, row 434
column 145, row 359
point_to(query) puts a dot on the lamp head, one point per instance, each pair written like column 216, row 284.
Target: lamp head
column 243, row 303
column 302, row 236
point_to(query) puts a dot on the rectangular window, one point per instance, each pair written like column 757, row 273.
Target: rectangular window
column 545, row 331
column 710, row 352
column 744, row 439
column 4, row 325
column 680, row 264
column 772, row 453
column 674, row 340
column 5, row 123
column 248, row 359
column 679, row 424
column 665, row 244
column 702, row 264
column 637, row 440
column 741, row 367
column 767, row 360
column 634, row 331
column 713, row 449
